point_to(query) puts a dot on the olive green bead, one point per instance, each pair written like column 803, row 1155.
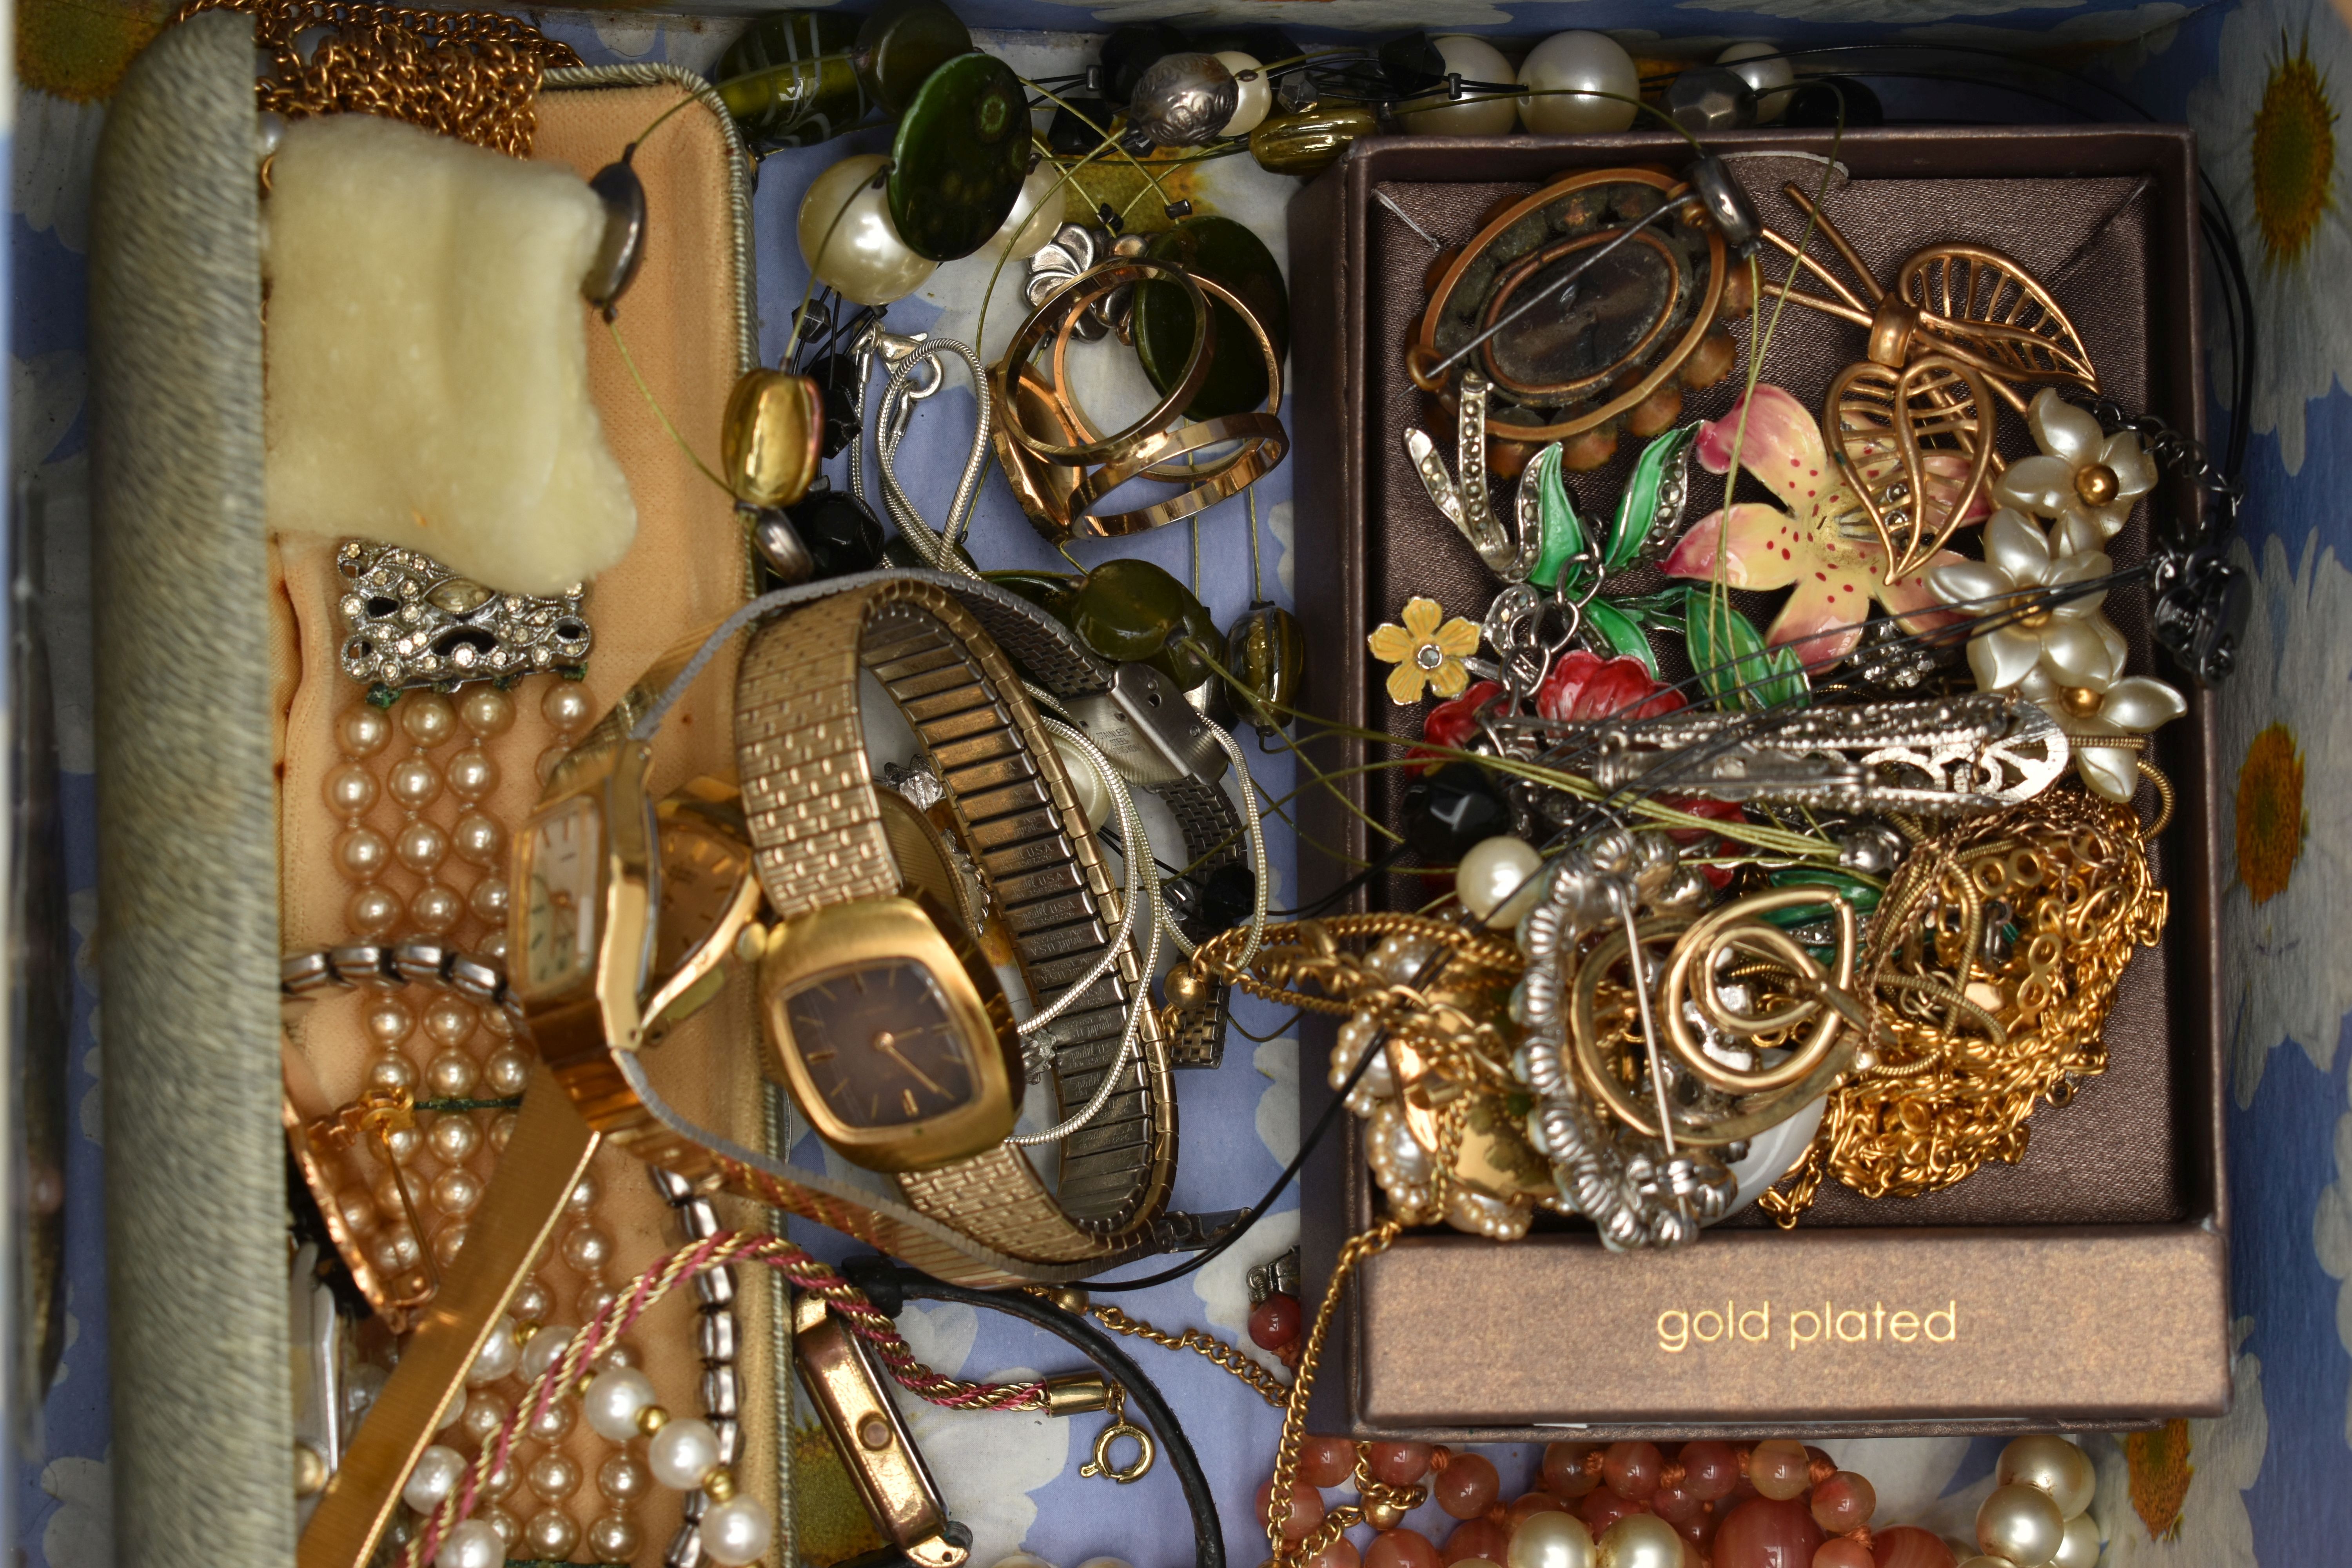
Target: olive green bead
column 1132, row 612
column 1267, row 652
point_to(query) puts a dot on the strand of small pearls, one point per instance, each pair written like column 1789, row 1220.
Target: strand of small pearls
column 714, row 1297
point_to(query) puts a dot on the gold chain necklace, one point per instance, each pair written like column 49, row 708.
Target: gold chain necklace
column 474, row 75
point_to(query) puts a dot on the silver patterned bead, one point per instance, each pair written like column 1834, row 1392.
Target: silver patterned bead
column 1184, row 100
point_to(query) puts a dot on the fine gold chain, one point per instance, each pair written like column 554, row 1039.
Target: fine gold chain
column 1366, row 1243
column 1270, row 1388
column 474, row 75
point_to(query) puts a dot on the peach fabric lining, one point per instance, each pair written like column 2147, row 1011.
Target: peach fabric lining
column 688, row 567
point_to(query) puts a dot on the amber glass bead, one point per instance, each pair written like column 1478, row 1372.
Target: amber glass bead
column 1908, row 1546
column 1273, row 1322
column 1467, row 1486
column 1340, row 1553
column 1564, row 1474
column 1699, row 1529
column 1305, row 1509
column 1675, row 1503
column 1767, row 1532
column 1399, row 1464
column 1532, row 1504
column 1327, row 1461
column 1400, row 1549
column 1604, row 1508
column 1779, row 1469
column 1843, row 1553
column 1631, row 1469
column 1843, row 1501
column 1710, row 1470
column 1476, row 1540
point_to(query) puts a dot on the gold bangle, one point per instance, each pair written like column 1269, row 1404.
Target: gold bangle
column 1061, row 308
column 1073, row 418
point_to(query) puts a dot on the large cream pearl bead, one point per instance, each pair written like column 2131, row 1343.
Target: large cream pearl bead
column 472, row 1544
column 864, row 259
column 1751, row 62
column 498, row 1355
column 1569, row 68
column 389, row 1021
column 478, row 839
column 506, row 1072
column 435, row 908
column 428, row 719
column 449, row 1020
column 613, row 1401
column 472, row 775
column 1472, row 60
column 362, row 731
column 2052, row 1464
column 614, row 1538
column 1036, row 213
column 736, row 1531
column 485, row 710
column 362, row 853
column 422, row 847
column 1257, row 96
column 2023, row 1524
column 550, row 1534
column 1551, row 1541
column 415, row 783
column 682, row 1453
column 488, row 901
column 2082, row 1546
column 568, row 705
column 350, row 790
column 437, row 1470
column 1496, row 880
column 1638, row 1541
column 372, row 910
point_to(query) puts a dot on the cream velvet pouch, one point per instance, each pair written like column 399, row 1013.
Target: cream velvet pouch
column 687, row 323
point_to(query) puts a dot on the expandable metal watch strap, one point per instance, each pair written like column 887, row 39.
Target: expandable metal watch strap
column 808, row 801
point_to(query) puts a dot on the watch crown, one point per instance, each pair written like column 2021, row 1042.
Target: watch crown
column 750, row 942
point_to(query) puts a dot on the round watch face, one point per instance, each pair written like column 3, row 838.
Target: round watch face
column 562, row 878
column 879, row 1045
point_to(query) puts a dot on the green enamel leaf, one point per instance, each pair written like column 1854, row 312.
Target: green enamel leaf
column 1861, row 895
column 1789, row 686
column 1563, row 530
column 1663, row 470
column 1727, row 652
column 1621, row 631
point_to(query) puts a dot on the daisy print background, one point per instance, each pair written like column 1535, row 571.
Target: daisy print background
column 2265, row 83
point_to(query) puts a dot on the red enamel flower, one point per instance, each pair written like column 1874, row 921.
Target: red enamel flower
column 1584, row 686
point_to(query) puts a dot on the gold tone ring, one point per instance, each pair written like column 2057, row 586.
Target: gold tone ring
column 1060, row 309
column 1075, row 418
column 1719, row 929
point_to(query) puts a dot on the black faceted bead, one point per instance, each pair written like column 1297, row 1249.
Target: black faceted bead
column 1451, row 809
column 840, row 535
column 1816, row 103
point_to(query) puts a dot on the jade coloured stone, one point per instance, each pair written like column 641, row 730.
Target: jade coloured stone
column 1132, row 612
column 960, row 157
column 1224, row 252
column 902, row 44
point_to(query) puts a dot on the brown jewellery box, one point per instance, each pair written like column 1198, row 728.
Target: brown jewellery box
column 2085, row 1286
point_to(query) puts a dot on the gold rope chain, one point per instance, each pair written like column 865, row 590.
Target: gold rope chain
column 474, row 75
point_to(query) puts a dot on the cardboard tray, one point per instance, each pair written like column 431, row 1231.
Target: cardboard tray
column 2084, row 1288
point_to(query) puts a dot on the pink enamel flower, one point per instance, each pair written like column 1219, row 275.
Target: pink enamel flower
column 1821, row 546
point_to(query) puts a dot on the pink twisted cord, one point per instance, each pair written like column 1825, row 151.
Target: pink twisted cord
column 563, row 1379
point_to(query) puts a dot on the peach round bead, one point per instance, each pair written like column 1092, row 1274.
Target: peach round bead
column 1631, row 1469
column 435, row 908
column 1564, row 1474
column 1843, row 1501
column 479, row 840
column 1305, row 1509
column 1908, row 1546
column 1529, row 1506
column 1327, row 1461
column 1401, row 1548
column 1710, row 1470
column 1476, row 1540
column 1467, row 1486
column 1399, row 1464
column 1844, row 1553
column 449, row 1020
column 362, row 853
column 422, row 847
column 1340, row 1553
column 1779, row 1469
column 1767, row 1532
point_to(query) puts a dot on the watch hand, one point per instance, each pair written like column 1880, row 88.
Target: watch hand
column 889, row 1046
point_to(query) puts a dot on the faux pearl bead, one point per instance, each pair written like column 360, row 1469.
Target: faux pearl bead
column 358, row 1209
column 587, row 1248
column 392, row 1070
column 389, row 1021
column 437, row 1470
column 405, row 1143
column 619, row 1355
column 447, row 1242
column 614, row 1538
column 501, row 1481
column 498, row 1357
column 1257, row 92
column 449, row 1020
column 471, row 773
column 582, row 1199
column 422, row 847
column 350, row 790
column 2080, row 1547
column 736, row 1531
column 553, row 1476
column 502, row 1130
column 543, row 1348
column 2022, row 1523
column 613, row 1401
column 372, row 910
column 1036, row 213
column 414, row 783
column 593, row 1301
column 531, row 1303
column 395, row 1251
column 1551, row 1541
column 1569, row 66
column 1496, row 880
column 682, row 1453
column 506, row 1072
column 362, row 731
column 849, row 220
column 472, row 1544
column 361, row 853
column 1472, row 60
column 485, row 710
column 488, row 901
column 509, row 1528
column 1638, row 1541
column 457, row 1192
column 622, row 1478
column 426, row 717
column 1763, row 75
column 454, row 1139
column 551, row 1535
column 567, row 705
column 478, row 839
column 2052, row 1464
column 435, row 908
column 552, row 1424
column 450, row 1076
column 484, row 1414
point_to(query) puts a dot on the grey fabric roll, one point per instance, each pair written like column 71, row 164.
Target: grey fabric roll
column 195, row 1162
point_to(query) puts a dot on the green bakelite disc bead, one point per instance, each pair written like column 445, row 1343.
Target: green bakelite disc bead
column 1225, row 252
column 1266, row 651
column 1129, row 611
column 960, row 158
column 791, row 81
column 1051, row 591
column 902, row 44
